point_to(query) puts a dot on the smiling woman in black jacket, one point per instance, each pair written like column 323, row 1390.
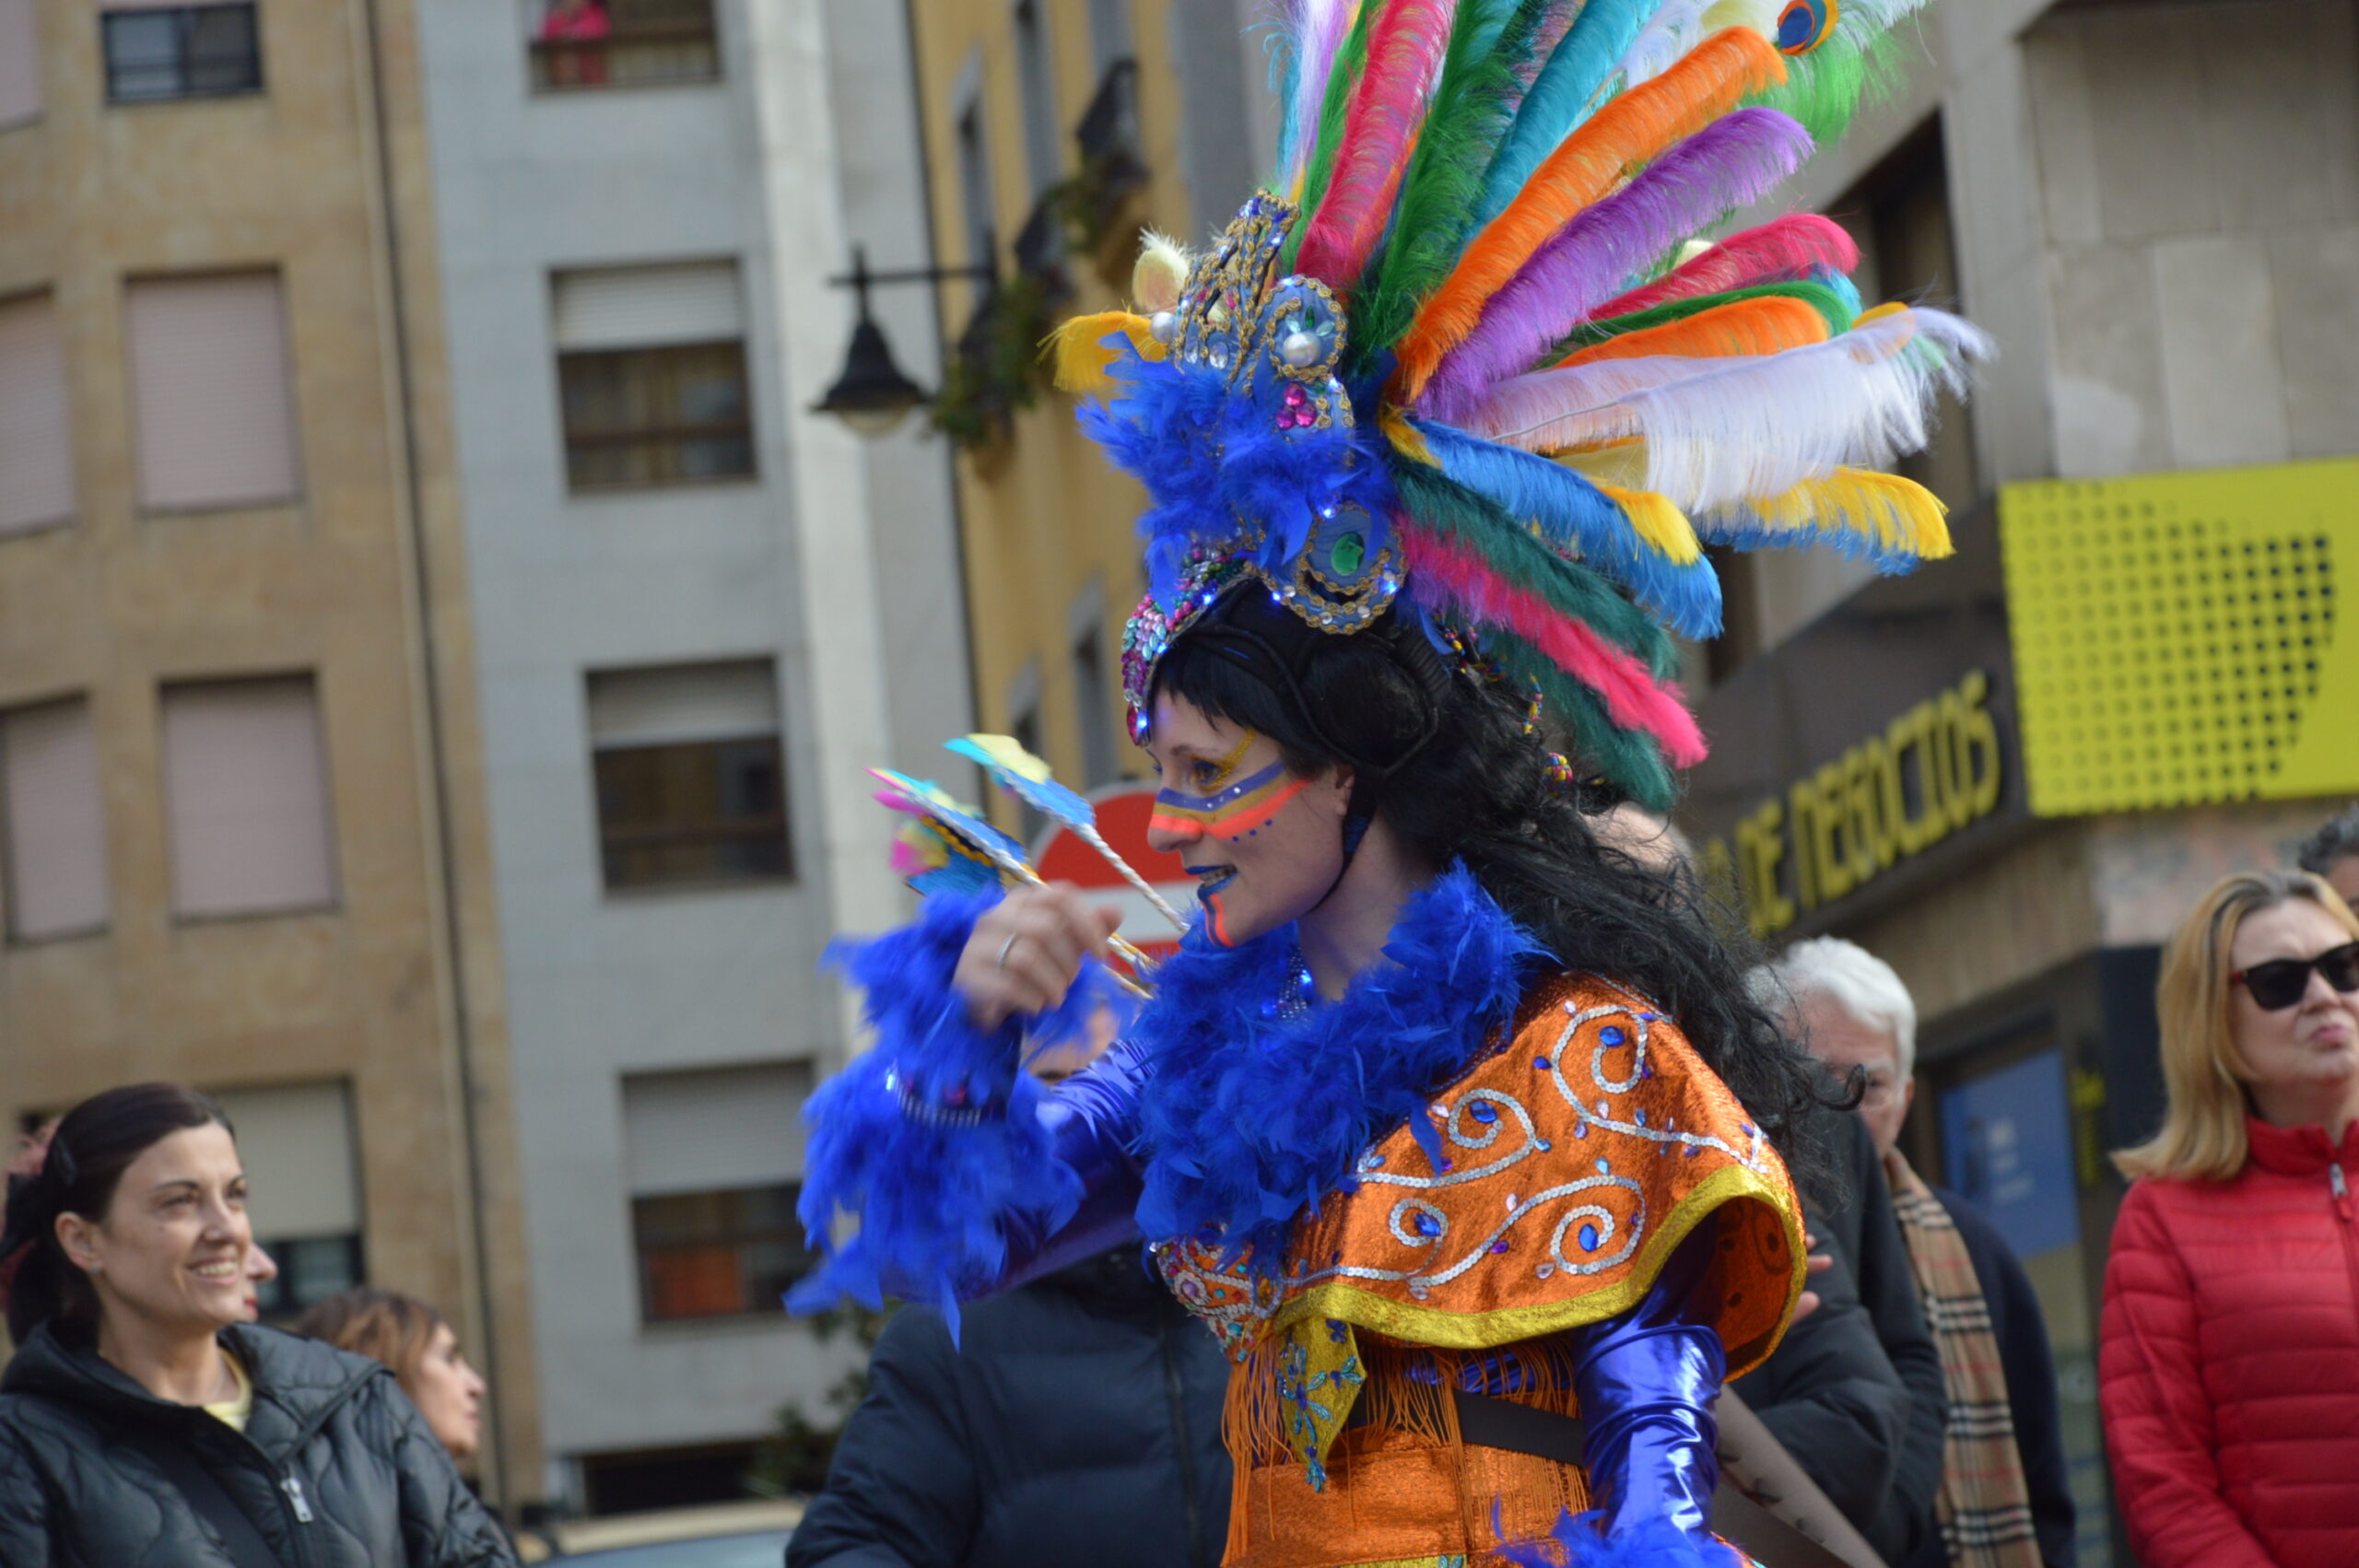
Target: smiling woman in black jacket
column 141, row 1421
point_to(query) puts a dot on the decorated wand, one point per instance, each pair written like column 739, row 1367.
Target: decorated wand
column 1027, row 778
column 994, row 846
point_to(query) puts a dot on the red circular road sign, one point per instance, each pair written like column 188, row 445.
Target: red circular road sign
column 1122, row 811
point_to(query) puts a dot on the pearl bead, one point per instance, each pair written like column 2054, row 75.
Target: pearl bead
column 1164, row 325
column 1299, row 349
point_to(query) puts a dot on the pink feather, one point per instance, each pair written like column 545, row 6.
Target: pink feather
column 1633, row 697
column 1787, row 247
column 1404, row 50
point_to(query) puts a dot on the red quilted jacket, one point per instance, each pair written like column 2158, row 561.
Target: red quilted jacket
column 2228, row 1364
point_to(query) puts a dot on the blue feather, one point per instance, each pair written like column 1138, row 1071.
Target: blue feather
column 1570, row 511
column 933, row 1201
column 1215, row 463
column 1249, row 1118
column 1562, row 96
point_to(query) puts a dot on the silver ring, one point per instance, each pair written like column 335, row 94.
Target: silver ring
column 1001, row 962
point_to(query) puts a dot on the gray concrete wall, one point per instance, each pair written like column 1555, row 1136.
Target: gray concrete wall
column 2198, row 170
column 788, row 565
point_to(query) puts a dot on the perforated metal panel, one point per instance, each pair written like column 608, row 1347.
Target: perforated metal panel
column 2177, row 636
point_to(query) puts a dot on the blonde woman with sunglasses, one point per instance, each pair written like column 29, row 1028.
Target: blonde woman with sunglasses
column 2229, row 1357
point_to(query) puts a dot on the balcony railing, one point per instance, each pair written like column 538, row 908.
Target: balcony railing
column 1111, row 164
column 631, row 43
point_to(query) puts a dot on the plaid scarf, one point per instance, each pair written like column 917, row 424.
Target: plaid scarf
column 1984, row 1506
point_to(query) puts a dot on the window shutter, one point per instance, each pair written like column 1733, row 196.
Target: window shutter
column 246, row 798
column 36, row 436
column 56, row 835
column 683, row 703
column 20, row 63
column 649, row 307
column 296, row 1144
column 209, row 391
column 717, row 1129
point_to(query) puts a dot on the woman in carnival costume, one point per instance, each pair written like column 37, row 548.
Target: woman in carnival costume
column 1456, row 1126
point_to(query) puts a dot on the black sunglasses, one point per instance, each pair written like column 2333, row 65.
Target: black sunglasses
column 2279, row 983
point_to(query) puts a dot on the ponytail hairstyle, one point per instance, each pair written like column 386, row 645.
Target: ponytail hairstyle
column 1448, row 761
column 91, row 1149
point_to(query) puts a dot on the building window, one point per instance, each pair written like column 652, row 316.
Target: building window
column 36, row 436
column 715, row 1161
column 651, row 371
column 55, row 838
column 621, row 43
column 213, row 415
column 1109, row 34
column 690, row 775
column 159, row 53
column 1036, row 77
column 246, row 798
column 19, row 63
column 1093, row 707
column 975, row 181
column 296, row 1144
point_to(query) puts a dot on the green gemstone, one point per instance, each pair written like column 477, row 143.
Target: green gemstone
column 1350, row 551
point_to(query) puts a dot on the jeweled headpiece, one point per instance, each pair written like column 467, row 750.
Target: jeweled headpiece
column 1473, row 366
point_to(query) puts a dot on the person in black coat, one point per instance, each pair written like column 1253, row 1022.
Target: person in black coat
column 142, row 1421
column 1854, row 1390
column 1076, row 1424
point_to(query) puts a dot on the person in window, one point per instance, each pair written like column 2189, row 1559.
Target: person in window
column 573, row 35
column 2004, row 1500
column 2228, row 1351
column 144, row 1420
column 423, row 1351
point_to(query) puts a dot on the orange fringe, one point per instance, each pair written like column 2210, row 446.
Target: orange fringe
column 1764, row 325
column 1630, row 132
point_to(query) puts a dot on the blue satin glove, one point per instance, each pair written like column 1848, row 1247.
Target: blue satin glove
column 1646, row 1381
column 1089, row 1119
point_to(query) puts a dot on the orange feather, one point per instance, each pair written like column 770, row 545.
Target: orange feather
column 1766, row 325
column 1630, row 132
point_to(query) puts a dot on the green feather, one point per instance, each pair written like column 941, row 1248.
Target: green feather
column 1471, row 106
column 1826, row 87
column 1481, row 526
column 1351, row 64
column 1826, row 302
column 1631, row 760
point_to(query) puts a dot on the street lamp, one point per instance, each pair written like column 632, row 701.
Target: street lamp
column 871, row 395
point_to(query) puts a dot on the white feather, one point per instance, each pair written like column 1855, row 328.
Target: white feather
column 1719, row 431
column 1662, row 43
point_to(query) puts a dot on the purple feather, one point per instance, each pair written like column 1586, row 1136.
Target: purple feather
column 1730, row 163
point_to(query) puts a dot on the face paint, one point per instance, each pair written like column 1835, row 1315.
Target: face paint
column 1231, row 811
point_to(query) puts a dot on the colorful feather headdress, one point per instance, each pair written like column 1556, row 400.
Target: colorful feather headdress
column 1468, row 357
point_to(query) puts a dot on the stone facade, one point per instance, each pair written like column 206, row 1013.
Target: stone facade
column 359, row 581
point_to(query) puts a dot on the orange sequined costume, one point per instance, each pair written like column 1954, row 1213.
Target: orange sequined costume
column 1578, row 1159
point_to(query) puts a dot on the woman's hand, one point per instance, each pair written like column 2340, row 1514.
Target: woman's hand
column 1026, row 950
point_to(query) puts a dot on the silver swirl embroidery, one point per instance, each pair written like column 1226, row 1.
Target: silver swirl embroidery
column 1370, row 1169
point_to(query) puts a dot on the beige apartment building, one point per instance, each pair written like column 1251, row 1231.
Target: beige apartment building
column 239, row 801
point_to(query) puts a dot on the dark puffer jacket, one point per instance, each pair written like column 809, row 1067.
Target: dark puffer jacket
column 1079, row 1427
column 332, row 1437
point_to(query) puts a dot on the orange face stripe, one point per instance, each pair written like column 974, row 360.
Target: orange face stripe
column 1229, row 812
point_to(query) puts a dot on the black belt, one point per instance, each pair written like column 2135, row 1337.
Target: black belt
column 1764, row 1503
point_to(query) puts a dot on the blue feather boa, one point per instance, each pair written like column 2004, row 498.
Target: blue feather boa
column 1250, row 1118
column 931, row 1198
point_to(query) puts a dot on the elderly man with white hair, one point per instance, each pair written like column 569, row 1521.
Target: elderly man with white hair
column 2003, row 1501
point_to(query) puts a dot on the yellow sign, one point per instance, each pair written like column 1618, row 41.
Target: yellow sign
column 2175, row 636
column 1934, row 770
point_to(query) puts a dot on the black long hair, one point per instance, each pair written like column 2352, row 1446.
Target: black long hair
column 92, row 1148
column 1447, row 761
